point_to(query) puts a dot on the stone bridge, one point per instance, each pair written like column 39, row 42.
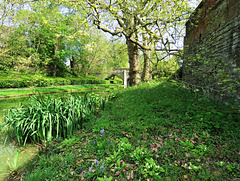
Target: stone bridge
column 122, row 73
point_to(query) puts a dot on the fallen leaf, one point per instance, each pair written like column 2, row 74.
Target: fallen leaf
column 176, row 162
column 159, row 145
column 78, row 163
column 187, row 155
column 79, row 156
column 131, row 174
column 117, row 173
column 122, row 162
column 217, row 173
column 154, row 149
column 127, row 167
column 81, row 175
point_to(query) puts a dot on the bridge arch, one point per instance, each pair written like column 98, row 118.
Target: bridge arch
column 122, row 73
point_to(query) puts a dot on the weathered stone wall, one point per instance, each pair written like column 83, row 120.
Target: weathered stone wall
column 212, row 49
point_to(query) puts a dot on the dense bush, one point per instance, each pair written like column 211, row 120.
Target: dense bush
column 46, row 118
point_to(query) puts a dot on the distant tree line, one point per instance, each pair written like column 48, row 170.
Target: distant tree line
column 45, row 36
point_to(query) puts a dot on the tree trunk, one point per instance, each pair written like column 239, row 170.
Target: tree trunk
column 54, row 71
column 72, row 64
column 146, row 68
column 134, row 70
column 146, row 54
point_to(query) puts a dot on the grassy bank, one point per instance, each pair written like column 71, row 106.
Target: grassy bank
column 157, row 132
column 36, row 90
column 12, row 79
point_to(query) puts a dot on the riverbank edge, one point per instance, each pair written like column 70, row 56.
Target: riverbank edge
column 52, row 92
column 110, row 126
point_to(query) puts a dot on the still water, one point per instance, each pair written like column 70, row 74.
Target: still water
column 9, row 149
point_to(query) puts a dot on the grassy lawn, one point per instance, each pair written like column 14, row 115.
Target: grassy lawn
column 156, row 132
column 11, row 79
column 12, row 92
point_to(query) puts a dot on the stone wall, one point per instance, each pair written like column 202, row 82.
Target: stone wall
column 212, row 50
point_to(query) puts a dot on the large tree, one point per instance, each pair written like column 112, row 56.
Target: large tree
column 8, row 9
column 143, row 23
column 47, row 35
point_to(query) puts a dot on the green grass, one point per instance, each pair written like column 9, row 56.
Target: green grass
column 158, row 131
column 12, row 92
column 10, row 79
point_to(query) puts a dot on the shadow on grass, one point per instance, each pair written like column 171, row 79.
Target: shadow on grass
column 158, row 131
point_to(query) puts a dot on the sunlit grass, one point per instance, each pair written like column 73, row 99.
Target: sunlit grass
column 11, row 79
column 54, row 89
column 158, row 131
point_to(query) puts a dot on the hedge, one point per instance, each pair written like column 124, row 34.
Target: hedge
column 45, row 82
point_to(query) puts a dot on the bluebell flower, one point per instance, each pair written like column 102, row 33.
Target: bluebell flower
column 102, row 131
column 97, row 162
column 94, row 142
column 90, row 169
column 102, row 166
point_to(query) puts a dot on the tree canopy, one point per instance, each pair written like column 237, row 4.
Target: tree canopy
column 46, row 35
column 147, row 25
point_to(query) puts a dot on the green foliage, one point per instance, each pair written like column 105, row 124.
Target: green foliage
column 13, row 163
column 45, row 118
column 140, row 154
column 151, row 169
column 164, row 67
column 116, row 80
column 124, row 147
column 212, row 76
column 102, row 55
column 169, row 135
column 18, row 80
column 43, row 39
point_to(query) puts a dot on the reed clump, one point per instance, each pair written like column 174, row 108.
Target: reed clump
column 45, row 118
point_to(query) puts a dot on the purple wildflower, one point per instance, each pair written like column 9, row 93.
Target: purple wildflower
column 102, row 166
column 102, row 131
column 97, row 162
